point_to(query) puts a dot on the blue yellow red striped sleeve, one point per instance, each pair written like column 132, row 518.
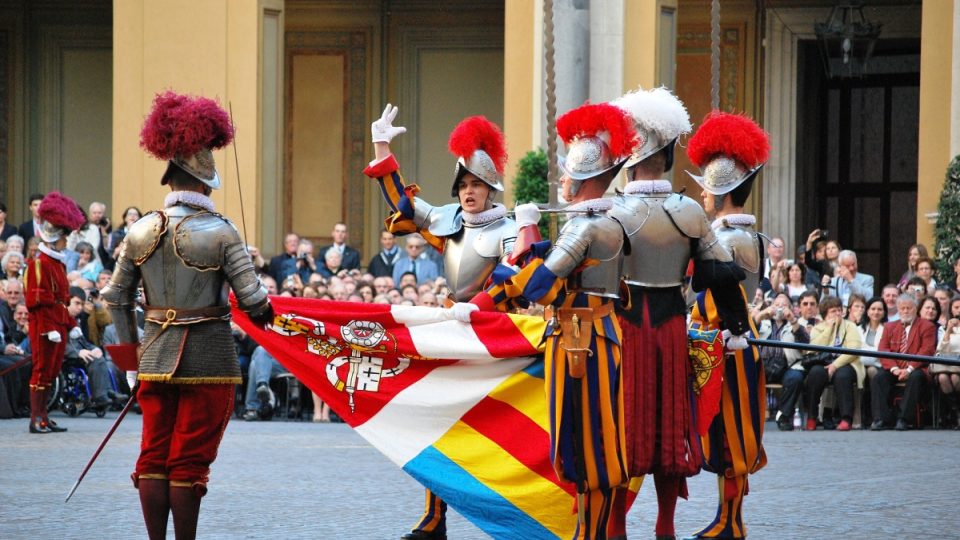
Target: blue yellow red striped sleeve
column 535, row 282
column 400, row 198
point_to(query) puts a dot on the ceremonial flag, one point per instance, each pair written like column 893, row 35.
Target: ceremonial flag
column 460, row 407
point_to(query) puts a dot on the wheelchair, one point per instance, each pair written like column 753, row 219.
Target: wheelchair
column 72, row 393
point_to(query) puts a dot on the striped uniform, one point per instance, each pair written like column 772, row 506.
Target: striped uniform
column 732, row 447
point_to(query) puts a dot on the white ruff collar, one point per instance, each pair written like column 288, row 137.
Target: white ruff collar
column 591, row 205
column 191, row 198
column 648, row 186
column 485, row 217
column 51, row 252
column 742, row 220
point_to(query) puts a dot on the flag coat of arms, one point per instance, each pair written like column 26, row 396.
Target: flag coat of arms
column 460, row 407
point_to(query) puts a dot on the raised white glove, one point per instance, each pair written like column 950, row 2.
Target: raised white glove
column 462, row 310
column 54, row 336
column 526, row 214
column 383, row 130
column 75, row 332
column 734, row 343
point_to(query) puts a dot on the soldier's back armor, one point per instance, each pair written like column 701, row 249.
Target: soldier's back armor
column 471, row 251
column 660, row 230
column 595, row 237
column 744, row 245
column 188, row 259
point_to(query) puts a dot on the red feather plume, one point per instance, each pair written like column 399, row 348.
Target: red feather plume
column 732, row 135
column 183, row 125
column 477, row 133
column 62, row 211
column 591, row 120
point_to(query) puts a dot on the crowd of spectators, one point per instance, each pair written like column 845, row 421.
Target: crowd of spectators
column 820, row 297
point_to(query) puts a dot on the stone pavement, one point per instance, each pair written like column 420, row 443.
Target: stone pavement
column 289, row 479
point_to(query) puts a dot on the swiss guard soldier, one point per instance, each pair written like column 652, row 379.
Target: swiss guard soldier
column 730, row 150
column 665, row 231
column 580, row 278
column 188, row 257
column 473, row 234
column 47, row 294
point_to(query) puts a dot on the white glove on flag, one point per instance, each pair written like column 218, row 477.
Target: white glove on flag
column 462, row 310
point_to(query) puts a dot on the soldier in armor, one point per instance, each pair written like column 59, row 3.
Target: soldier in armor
column 473, row 234
column 188, row 257
column 579, row 278
column 665, row 230
column 47, row 294
column 730, row 150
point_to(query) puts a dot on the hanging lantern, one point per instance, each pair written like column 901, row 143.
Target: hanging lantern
column 846, row 40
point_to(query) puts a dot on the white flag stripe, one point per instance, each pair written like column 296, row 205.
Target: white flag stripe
column 421, row 413
column 435, row 336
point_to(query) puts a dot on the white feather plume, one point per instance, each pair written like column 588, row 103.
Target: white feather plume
column 657, row 111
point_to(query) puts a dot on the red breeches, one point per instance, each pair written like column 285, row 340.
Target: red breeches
column 656, row 395
column 182, row 428
column 47, row 358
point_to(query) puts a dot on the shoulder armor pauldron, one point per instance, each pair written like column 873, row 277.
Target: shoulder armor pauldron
column 144, row 236
column 445, row 220
column 743, row 245
column 199, row 240
column 631, row 212
column 687, row 215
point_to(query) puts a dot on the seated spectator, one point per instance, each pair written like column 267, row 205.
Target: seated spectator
column 871, row 332
column 946, row 378
column 130, row 216
column 856, row 306
column 930, row 310
column 428, row 299
column 381, row 299
column 781, row 324
column 103, row 279
column 12, row 264
column 943, row 295
column 789, row 277
column 260, row 400
column 12, row 296
column 306, row 265
column 21, row 317
column 96, row 318
column 15, row 244
column 356, row 298
column 382, row 263
column 913, row 255
column 925, row 272
column 365, row 290
column 331, row 264
column 15, row 384
column 916, row 287
column 88, row 264
column 33, row 244
column 309, row 292
column 101, row 372
column 849, row 279
column 890, row 293
column 845, row 370
column 911, row 335
column 410, row 293
column 292, row 285
column 414, row 262
column 382, row 284
column 408, row 278
column 809, row 310
column 338, row 291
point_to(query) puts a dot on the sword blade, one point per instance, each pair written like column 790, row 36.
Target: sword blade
column 856, row 352
column 103, row 443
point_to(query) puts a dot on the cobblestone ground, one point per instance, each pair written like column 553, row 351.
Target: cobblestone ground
column 290, row 479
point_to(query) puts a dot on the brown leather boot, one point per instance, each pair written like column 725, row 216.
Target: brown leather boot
column 155, row 504
column 185, row 503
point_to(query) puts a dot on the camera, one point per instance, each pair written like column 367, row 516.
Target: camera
column 302, row 256
column 104, row 222
column 917, row 289
column 824, row 233
column 778, row 314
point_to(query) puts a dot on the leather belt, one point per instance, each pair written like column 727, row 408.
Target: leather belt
column 599, row 312
column 180, row 316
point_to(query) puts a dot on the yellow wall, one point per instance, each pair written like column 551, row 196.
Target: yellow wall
column 936, row 43
column 213, row 52
column 521, row 103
